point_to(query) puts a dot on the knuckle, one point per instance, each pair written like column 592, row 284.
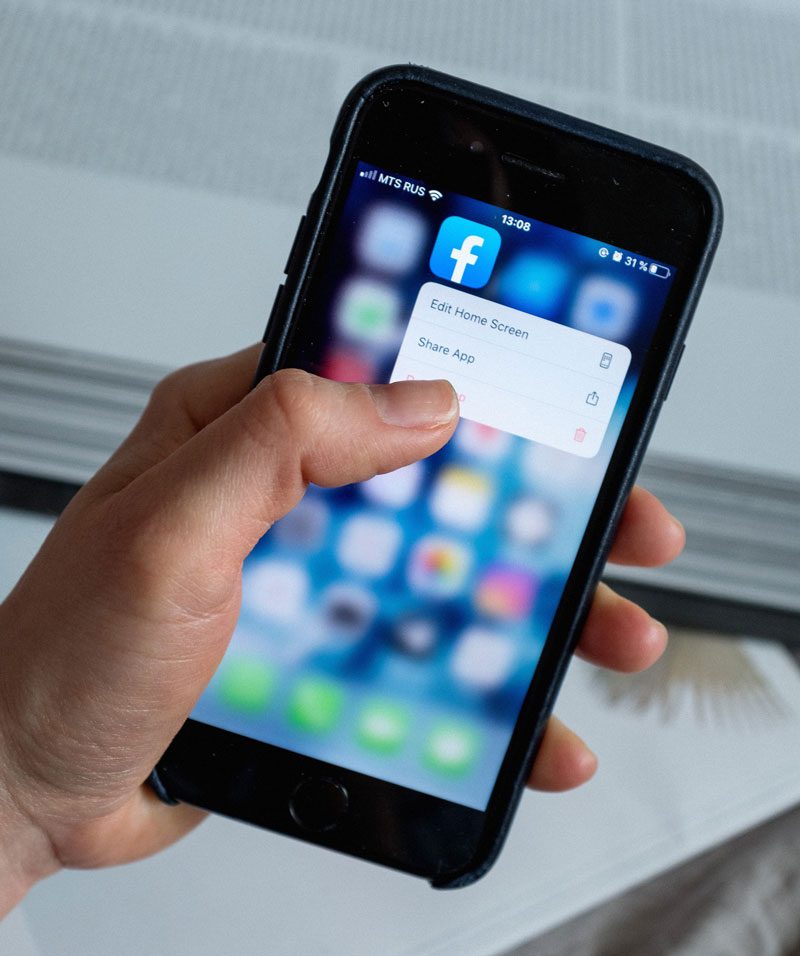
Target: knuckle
column 276, row 421
column 292, row 388
column 168, row 391
column 293, row 396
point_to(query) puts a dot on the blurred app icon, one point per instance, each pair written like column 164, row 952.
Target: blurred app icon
column 604, row 307
column 530, row 521
column 347, row 611
column 382, row 726
column 416, row 635
column 506, row 592
column 246, row 684
column 315, row 704
column 395, row 489
column 482, row 659
column 390, row 238
column 451, row 748
column 481, row 441
column 304, row 526
column 369, row 544
column 347, row 365
column 535, row 282
column 438, row 566
column 275, row 589
column 368, row 311
column 461, row 497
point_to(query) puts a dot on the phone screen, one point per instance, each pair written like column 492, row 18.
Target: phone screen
column 393, row 627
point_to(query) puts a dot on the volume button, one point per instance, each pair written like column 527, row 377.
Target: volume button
column 273, row 311
column 295, row 245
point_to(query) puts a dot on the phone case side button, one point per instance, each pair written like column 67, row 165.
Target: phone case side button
column 273, row 312
column 318, row 804
column 295, row 245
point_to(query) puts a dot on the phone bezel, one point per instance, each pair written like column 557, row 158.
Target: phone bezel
column 611, row 187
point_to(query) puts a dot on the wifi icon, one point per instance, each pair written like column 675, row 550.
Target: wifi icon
column 435, row 194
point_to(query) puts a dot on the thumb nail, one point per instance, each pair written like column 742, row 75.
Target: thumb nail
column 416, row 404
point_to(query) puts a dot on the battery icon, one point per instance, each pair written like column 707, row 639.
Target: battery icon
column 661, row 271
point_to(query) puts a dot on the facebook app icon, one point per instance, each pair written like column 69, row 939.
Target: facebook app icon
column 465, row 252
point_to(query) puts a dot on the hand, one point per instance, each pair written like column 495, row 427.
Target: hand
column 121, row 619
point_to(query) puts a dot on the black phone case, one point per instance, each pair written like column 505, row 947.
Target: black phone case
column 289, row 299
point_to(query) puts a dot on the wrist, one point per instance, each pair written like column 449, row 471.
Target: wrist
column 26, row 853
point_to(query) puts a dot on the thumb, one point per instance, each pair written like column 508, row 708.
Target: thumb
column 249, row 467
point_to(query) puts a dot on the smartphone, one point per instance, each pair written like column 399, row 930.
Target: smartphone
column 401, row 641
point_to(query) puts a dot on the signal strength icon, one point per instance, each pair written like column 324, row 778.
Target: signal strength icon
column 435, row 194
column 369, row 174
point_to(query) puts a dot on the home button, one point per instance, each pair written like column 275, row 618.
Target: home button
column 318, row 804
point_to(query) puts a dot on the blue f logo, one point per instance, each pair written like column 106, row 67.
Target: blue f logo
column 465, row 252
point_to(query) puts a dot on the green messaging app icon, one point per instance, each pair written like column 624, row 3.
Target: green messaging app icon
column 382, row 726
column 246, row 684
column 315, row 704
column 451, row 748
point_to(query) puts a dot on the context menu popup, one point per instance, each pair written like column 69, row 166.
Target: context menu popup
column 514, row 371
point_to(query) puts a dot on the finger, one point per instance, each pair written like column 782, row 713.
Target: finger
column 563, row 762
column 647, row 535
column 223, row 488
column 619, row 634
column 180, row 405
column 143, row 825
column 154, row 825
